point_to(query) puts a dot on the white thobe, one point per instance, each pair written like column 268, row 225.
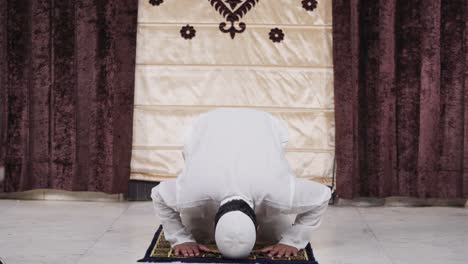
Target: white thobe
column 239, row 152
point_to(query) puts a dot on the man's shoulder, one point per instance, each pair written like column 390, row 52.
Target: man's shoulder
column 166, row 190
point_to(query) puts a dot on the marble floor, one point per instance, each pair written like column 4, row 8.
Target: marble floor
column 119, row 232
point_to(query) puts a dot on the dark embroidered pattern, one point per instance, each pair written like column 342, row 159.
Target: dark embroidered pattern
column 309, row 5
column 276, row 35
column 156, row 2
column 233, row 11
column 187, row 32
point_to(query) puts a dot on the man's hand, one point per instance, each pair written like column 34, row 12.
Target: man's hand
column 190, row 249
column 280, row 250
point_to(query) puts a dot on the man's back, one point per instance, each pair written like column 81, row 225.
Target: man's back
column 236, row 152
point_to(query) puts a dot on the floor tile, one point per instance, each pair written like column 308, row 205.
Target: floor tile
column 344, row 238
column 53, row 231
column 424, row 234
column 127, row 239
column 102, row 232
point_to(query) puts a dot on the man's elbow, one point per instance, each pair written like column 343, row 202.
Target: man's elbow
column 327, row 194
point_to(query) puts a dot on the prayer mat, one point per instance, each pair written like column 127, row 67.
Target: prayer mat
column 160, row 251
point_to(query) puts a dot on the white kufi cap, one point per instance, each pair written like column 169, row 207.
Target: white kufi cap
column 235, row 235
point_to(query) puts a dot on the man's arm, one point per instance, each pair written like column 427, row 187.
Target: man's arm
column 310, row 202
column 174, row 231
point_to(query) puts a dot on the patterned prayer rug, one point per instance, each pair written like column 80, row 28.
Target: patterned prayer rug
column 160, row 251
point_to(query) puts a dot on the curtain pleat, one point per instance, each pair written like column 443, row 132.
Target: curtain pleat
column 400, row 88
column 453, row 73
column 3, row 79
column 464, row 72
column 68, row 87
column 345, row 61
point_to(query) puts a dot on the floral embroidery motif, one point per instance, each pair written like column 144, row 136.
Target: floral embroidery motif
column 233, row 11
column 276, row 35
column 187, row 32
column 309, row 5
column 156, row 2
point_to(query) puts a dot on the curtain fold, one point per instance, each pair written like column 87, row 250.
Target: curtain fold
column 400, row 95
column 67, row 81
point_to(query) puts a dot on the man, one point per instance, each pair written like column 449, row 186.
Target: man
column 237, row 189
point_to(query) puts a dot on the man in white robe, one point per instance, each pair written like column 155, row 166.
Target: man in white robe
column 236, row 156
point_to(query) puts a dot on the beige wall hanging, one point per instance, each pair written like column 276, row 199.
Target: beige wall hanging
column 196, row 55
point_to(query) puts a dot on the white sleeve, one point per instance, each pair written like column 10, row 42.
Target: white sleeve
column 310, row 202
column 174, row 231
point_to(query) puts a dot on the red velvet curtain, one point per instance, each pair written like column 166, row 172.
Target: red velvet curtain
column 401, row 97
column 66, row 94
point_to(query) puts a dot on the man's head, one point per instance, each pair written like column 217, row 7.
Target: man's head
column 235, row 229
